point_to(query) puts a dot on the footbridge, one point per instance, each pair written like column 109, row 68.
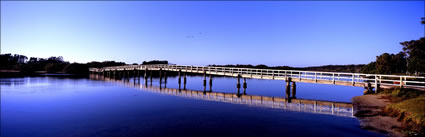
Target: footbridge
column 369, row 81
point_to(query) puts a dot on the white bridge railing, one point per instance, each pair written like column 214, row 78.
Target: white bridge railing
column 340, row 78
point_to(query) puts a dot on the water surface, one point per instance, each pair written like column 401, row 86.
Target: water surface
column 62, row 107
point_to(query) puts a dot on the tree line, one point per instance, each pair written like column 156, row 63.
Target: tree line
column 34, row 65
column 53, row 64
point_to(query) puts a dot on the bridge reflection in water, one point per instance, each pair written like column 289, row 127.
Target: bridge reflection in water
column 289, row 103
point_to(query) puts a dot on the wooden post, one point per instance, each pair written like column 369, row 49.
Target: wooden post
column 251, row 73
column 294, row 90
column 134, row 74
column 338, row 76
column 151, row 76
column 165, row 78
column 352, row 80
column 333, row 78
column 288, row 88
column 261, row 73
column 145, row 76
column 210, row 80
column 376, row 84
column 184, row 81
column 205, row 78
column 244, row 91
column 238, row 84
column 315, row 77
column 210, row 83
column 299, row 75
column 180, row 76
column 244, row 83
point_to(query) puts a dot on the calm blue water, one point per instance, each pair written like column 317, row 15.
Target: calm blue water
column 62, row 107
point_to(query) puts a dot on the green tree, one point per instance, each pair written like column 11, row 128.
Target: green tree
column 415, row 51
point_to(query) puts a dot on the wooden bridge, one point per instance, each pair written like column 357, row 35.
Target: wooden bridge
column 304, row 105
column 368, row 81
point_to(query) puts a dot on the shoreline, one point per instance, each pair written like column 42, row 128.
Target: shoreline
column 370, row 110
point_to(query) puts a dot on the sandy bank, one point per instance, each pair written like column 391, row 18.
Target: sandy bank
column 369, row 109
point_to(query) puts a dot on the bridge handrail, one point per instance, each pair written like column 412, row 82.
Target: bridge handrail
column 273, row 70
column 401, row 80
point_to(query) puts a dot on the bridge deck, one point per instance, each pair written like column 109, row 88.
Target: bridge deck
column 336, row 78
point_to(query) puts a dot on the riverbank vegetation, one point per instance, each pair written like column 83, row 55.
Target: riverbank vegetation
column 20, row 65
column 408, row 106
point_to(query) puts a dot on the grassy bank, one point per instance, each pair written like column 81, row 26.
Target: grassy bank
column 409, row 107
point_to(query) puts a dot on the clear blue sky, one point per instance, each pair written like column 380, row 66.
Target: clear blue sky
column 207, row 32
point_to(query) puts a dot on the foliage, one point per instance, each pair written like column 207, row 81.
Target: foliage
column 55, row 64
column 9, row 61
column 411, row 110
column 387, row 64
column 76, row 68
column 415, row 49
column 408, row 105
column 155, row 62
column 95, row 64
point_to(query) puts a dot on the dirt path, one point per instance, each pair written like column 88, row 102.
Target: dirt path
column 369, row 109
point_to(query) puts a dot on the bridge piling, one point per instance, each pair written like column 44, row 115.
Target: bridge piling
column 244, row 83
column 138, row 76
column 238, row 84
column 160, row 75
column 145, row 76
column 210, row 80
column 184, row 81
column 180, row 77
column 294, row 90
column 288, row 90
column 134, row 74
column 244, row 90
column 165, row 77
column 205, row 79
column 151, row 75
column 238, row 94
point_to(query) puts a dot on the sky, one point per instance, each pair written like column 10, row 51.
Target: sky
column 275, row 33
